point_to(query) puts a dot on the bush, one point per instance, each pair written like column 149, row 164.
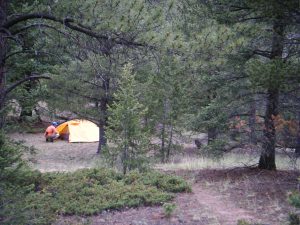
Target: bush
column 294, row 219
column 169, row 209
column 35, row 198
column 294, row 199
column 10, row 158
column 88, row 192
column 244, row 222
column 22, row 205
column 164, row 182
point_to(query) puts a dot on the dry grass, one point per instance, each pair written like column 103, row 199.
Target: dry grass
column 64, row 156
column 229, row 160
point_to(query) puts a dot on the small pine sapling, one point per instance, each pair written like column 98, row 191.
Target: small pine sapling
column 125, row 127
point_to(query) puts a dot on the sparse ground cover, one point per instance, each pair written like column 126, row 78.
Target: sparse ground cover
column 262, row 193
column 84, row 192
column 219, row 196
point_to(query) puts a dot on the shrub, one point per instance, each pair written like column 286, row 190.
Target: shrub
column 169, row 209
column 88, row 192
column 35, row 198
column 167, row 183
column 10, row 158
column 294, row 219
column 244, row 222
column 294, row 199
column 21, row 205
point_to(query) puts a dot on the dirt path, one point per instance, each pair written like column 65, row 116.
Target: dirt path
column 225, row 211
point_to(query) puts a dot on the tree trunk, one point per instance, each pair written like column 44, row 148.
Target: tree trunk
column 297, row 150
column 125, row 159
column 125, row 156
column 162, row 148
column 3, row 51
column 170, row 143
column 252, row 121
column 103, row 116
column 267, row 157
column 163, row 131
column 211, row 134
column 26, row 104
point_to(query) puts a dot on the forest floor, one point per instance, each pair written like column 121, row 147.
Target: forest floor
column 219, row 196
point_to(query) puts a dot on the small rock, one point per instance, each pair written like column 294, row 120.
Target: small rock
column 157, row 215
column 196, row 218
column 180, row 220
column 173, row 220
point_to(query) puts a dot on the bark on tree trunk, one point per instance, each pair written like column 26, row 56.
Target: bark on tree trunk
column 103, row 116
column 163, row 131
column 125, row 159
column 170, row 143
column 297, row 150
column 26, row 105
column 211, row 134
column 125, row 156
column 267, row 157
column 162, row 148
column 3, row 51
column 252, row 119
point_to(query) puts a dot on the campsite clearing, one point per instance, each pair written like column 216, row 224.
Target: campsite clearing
column 59, row 155
column 219, row 196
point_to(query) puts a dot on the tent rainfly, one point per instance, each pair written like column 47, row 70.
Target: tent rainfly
column 79, row 131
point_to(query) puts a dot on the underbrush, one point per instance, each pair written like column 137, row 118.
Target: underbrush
column 39, row 198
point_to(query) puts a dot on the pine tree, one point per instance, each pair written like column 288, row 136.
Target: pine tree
column 110, row 25
column 164, row 95
column 270, row 59
column 125, row 128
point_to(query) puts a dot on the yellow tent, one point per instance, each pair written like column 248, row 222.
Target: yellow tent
column 79, row 131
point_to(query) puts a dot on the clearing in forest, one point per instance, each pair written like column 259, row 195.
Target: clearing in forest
column 219, row 196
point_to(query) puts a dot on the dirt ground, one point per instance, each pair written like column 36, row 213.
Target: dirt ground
column 59, row 155
column 218, row 196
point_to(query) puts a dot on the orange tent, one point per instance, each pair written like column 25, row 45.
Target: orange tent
column 79, row 131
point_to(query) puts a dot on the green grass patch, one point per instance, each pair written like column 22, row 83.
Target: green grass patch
column 84, row 192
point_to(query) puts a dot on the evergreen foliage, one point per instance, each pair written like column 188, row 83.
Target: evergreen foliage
column 243, row 69
column 10, row 158
column 229, row 68
column 85, row 192
column 125, row 128
column 164, row 95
